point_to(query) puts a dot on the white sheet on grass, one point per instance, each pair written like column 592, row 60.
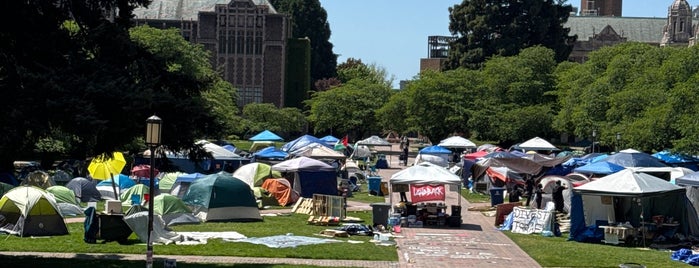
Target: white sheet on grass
column 286, row 241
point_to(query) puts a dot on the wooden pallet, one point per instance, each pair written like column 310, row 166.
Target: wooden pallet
column 303, row 206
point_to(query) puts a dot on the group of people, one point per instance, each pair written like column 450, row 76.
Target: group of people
column 538, row 193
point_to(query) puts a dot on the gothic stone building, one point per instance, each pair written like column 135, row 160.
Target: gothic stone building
column 247, row 40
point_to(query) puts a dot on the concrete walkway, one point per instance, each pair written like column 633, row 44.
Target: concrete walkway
column 477, row 243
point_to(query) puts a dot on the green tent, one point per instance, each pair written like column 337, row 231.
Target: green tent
column 168, row 180
column 222, row 197
column 173, row 210
column 63, row 194
column 32, row 211
column 264, row 197
column 139, row 190
column 254, row 174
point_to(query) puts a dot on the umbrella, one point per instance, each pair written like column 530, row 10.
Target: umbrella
column 143, row 171
column 104, row 167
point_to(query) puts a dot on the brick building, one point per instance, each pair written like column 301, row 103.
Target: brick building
column 247, row 40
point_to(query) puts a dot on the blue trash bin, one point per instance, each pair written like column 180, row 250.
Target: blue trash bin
column 374, row 185
column 496, row 196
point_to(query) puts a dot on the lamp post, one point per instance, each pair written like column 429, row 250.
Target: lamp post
column 594, row 133
column 618, row 141
column 153, row 130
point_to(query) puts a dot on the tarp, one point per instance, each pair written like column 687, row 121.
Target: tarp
column 457, row 142
column 602, row 167
column 321, row 152
column 84, row 189
column 258, row 145
column 302, row 163
column 674, row 158
column 477, row 155
column 330, row 140
column 217, row 152
column 691, row 179
column 270, row 153
column 634, row 159
column 435, row 149
column 254, row 174
column 537, row 144
column 31, row 211
column 266, row 135
column 222, row 197
column 441, row 160
column 4, row 188
column 293, row 146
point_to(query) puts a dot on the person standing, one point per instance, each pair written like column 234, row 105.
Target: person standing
column 539, row 195
column 529, row 190
column 557, row 196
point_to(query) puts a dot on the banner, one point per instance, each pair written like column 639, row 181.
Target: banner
column 422, row 193
column 531, row 221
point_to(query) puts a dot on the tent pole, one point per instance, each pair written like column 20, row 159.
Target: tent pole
column 390, row 195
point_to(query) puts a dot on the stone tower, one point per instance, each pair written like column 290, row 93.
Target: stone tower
column 678, row 29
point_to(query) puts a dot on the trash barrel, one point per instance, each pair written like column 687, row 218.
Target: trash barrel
column 380, row 213
column 496, row 196
column 374, row 185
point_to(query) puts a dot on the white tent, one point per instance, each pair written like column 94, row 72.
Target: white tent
column 218, row 152
column 302, row 163
column 627, row 183
column 457, row 142
column 425, row 173
column 537, row 143
column 374, row 141
column 321, row 152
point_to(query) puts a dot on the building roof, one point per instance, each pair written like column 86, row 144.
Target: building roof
column 635, row 29
column 186, row 9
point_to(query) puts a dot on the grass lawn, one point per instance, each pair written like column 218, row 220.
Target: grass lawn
column 475, row 197
column 277, row 225
column 364, row 196
column 80, row 263
column 558, row 252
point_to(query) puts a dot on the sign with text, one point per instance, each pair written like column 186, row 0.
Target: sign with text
column 426, row 192
column 530, row 221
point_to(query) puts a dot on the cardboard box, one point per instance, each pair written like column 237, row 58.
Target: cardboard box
column 112, row 207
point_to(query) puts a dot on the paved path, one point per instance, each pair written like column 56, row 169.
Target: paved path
column 477, row 243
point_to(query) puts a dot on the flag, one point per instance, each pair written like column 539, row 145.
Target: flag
column 344, row 141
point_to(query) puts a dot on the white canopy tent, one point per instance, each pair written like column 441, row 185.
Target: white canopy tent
column 425, row 173
column 457, row 142
column 537, row 144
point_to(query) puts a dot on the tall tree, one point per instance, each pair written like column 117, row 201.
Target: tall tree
column 485, row 28
column 309, row 19
column 372, row 73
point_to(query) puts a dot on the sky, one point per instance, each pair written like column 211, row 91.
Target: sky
column 393, row 34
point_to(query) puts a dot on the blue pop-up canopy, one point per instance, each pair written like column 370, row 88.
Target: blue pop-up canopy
column 601, row 167
column 266, row 136
column 435, row 149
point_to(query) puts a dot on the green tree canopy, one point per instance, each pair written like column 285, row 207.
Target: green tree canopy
column 372, row 73
column 485, row 28
column 265, row 116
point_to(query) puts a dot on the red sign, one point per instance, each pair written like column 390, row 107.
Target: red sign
column 422, row 193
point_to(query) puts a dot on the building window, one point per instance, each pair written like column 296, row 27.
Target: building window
column 249, row 95
column 258, row 45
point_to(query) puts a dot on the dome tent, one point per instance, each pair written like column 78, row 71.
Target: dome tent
column 31, row 211
column 221, row 197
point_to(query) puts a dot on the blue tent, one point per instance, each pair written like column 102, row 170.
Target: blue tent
column 601, row 167
column 301, row 142
column 435, row 149
column 330, row 140
column 670, row 158
column 229, row 147
column 266, row 136
column 121, row 180
column 270, row 153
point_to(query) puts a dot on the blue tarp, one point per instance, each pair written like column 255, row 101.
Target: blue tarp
column 435, row 149
column 122, row 181
column 266, row 136
column 270, row 153
column 301, row 142
column 602, row 167
column 671, row 158
column 189, row 177
column 330, row 140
